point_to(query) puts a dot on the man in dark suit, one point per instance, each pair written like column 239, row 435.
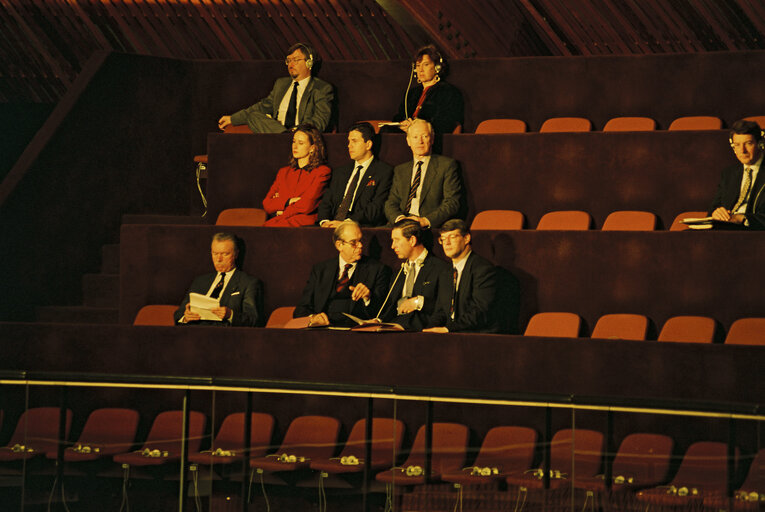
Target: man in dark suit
column 415, row 289
column 350, row 283
column 467, row 291
column 427, row 189
column 299, row 98
column 740, row 198
column 240, row 295
column 358, row 190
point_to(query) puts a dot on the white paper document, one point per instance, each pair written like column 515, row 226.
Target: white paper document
column 203, row 305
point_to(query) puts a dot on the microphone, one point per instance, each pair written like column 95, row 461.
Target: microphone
column 389, row 292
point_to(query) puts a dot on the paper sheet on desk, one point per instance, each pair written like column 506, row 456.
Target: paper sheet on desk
column 202, row 305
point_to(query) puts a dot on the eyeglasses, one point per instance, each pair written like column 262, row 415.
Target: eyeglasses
column 289, row 61
column 448, row 238
column 352, row 243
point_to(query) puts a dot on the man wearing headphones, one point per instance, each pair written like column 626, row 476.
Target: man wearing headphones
column 299, row 98
column 740, row 198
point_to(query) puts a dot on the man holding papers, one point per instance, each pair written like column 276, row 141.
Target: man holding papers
column 740, row 198
column 226, row 297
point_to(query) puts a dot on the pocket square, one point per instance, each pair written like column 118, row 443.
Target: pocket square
column 234, row 293
column 371, row 183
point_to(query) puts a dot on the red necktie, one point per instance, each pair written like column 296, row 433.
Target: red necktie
column 342, row 283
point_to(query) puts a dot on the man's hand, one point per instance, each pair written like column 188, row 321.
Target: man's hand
column 360, row 291
column 223, row 122
column 331, row 224
column 407, row 306
column 222, row 312
column 405, row 124
column 721, row 214
column 318, row 319
column 190, row 316
column 436, row 329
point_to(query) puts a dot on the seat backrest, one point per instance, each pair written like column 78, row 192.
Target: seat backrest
column 688, row 329
column 497, row 219
column 280, row 316
column 757, row 119
column 241, row 217
column 375, row 123
column 587, row 451
column 113, row 429
column 746, row 331
column 501, row 126
column 449, row 447
column 705, row 464
column 507, row 448
column 554, row 325
column 569, row 220
column 566, row 124
column 156, row 314
column 644, row 457
column 238, row 128
column 38, row 428
column 167, row 429
column 677, row 224
column 230, row 436
column 630, row 124
column 696, row 123
column 313, row 437
column 755, row 477
column 630, row 220
column 387, row 437
column 621, row 327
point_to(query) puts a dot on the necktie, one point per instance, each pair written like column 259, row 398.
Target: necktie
column 409, row 283
column 345, row 204
column 219, row 286
column 342, row 283
column 453, row 308
column 745, row 188
column 289, row 120
column 415, row 186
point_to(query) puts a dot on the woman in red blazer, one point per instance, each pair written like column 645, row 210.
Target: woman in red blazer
column 293, row 199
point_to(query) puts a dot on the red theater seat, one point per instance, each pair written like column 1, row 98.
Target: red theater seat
column 688, row 329
column 630, row 220
column 746, row 331
column 566, row 124
column 241, row 217
column 696, row 123
column 228, row 445
column 280, row 316
column 621, row 327
column 565, row 220
column 554, row 325
column 497, row 219
column 106, row 432
column 630, row 124
column 36, row 433
column 501, row 126
column 307, row 438
column 165, row 440
column 677, row 224
column 156, row 314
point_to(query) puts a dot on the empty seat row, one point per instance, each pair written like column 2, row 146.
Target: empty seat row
column 688, row 329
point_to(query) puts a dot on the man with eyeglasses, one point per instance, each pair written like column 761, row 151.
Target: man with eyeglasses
column 740, row 198
column 466, row 290
column 299, row 98
column 350, row 283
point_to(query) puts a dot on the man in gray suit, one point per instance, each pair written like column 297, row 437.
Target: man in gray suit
column 299, row 98
column 428, row 188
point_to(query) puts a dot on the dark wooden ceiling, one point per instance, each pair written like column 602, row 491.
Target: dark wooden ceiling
column 45, row 43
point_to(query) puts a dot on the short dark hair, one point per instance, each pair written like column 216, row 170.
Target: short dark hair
column 226, row 237
column 432, row 52
column 743, row 127
column 365, row 129
column 307, row 51
column 410, row 228
column 319, row 156
column 452, row 224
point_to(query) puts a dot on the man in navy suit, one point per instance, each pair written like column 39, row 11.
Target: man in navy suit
column 358, row 190
column 467, row 291
column 349, row 283
column 415, row 289
column 299, row 98
column 740, row 197
column 240, row 295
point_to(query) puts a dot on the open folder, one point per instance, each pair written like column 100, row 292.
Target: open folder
column 710, row 223
column 373, row 325
column 203, row 306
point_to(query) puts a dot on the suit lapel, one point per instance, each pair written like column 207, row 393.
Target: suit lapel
column 757, row 189
column 304, row 99
column 284, row 86
column 466, row 282
column 430, row 176
column 326, row 286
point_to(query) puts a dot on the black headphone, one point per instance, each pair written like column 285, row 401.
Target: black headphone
column 760, row 141
column 307, row 51
column 439, row 62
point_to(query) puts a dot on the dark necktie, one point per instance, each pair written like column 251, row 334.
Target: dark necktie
column 219, row 286
column 745, row 188
column 453, row 308
column 345, row 205
column 289, row 120
column 342, row 283
column 414, row 187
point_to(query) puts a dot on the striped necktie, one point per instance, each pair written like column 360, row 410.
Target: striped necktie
column 414, row 187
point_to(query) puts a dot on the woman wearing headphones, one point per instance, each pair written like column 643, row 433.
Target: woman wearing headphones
column 294, row 198
column 432, row 98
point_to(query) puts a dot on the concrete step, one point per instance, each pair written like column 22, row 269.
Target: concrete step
column 101, row 290
column 77, row 315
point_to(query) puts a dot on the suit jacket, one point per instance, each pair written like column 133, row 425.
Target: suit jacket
column 243, row 295
column 443, row 106
column 442, row 194
column 729, row 189
column 475, row 303
column 427, row 285
column 373, row 190
column 315, row 104
column 291, row 182
column 317, row 293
